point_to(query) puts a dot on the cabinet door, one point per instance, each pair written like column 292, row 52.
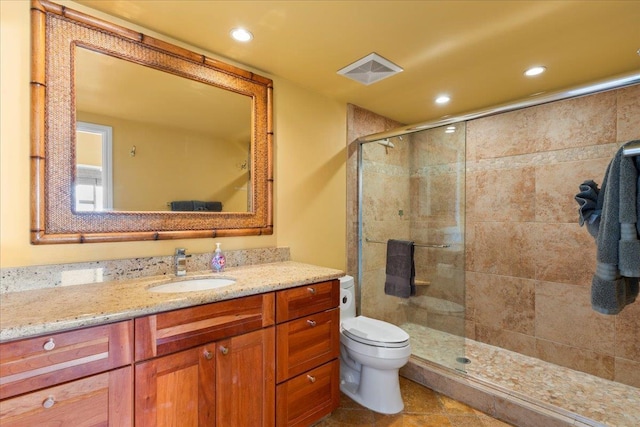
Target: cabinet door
column 177, row 390
column 100, row 400
column 245, row 382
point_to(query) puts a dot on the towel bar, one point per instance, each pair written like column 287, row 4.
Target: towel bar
column 631, row 149
column 422, row 245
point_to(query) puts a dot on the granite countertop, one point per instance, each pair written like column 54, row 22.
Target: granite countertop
column 37, row 312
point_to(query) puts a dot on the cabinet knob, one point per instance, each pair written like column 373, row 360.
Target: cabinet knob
column 48, row 403
column 312, row 291
column 311, row 378
column 49, row 345
column 208, row 355
column 224, row 350
column 311, row 323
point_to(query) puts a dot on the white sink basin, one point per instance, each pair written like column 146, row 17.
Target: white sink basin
column 193, row 285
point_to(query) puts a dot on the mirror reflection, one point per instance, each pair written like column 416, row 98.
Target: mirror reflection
column 94, row 183
column 175, row 144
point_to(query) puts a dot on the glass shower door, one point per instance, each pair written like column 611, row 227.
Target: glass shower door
column 412, row 188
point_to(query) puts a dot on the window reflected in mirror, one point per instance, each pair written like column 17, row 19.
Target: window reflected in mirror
column 93, row 189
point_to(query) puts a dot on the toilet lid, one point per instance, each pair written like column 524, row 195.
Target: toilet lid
column 374, row 332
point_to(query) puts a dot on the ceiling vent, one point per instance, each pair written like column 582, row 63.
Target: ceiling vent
column 370, row 69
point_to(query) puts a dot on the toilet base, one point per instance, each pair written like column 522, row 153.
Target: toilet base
column 378, row 390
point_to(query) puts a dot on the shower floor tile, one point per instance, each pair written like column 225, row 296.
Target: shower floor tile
column 606, row 402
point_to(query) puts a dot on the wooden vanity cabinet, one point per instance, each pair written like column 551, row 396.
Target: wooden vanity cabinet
column 79, row 378
column 308, row 347
column 211, row 365
column 261, row 360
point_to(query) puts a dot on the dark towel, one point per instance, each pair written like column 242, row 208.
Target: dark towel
column 610, row 296
column 196, row 205
column 213, row 206
column 629, row 245
column 400, row 269
column 615, row 283
column 589, row 211
column 183, row 205
column 207, row 206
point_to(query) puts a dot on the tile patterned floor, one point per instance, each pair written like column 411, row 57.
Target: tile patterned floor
column 607, row 402
column 422, row 407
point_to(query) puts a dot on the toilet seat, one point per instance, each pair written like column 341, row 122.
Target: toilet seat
column 374, row 332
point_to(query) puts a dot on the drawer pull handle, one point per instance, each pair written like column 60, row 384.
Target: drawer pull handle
column 224, row 350
column 311, row 323
column 311, row 379
column 208, row 355
column 48, row 403
column 49, row 345
column 312, row 291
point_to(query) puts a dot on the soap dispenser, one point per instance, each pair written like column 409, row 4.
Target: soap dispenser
column 219, row 260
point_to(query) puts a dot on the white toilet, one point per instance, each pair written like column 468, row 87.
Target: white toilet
column 371, row 353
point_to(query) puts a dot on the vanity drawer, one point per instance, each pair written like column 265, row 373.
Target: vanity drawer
column 308, row 397
column 304, row 300
column 307, row 342
column 99, row 400
column 35, row 363
column 166, row 333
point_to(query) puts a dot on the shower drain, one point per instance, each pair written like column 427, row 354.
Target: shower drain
column 463, row 360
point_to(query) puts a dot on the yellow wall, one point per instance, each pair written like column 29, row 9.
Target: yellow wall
column 311, row 175
column 310, row 182
column 172, row 164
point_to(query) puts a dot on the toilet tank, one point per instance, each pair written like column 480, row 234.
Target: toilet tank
column 347, row 298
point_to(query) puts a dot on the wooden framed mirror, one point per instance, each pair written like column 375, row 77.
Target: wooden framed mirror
column 192, row 136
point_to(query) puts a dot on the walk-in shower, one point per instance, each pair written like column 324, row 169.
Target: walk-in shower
column 501, row 318
column 411, row 187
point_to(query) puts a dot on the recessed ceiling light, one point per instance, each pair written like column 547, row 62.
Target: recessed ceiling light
column 535, row 71
column 241, row 35
column 443, row 99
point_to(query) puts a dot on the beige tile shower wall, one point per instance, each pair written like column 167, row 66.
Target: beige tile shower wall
column 385, row 213
column 528, row 263
column 382, row 210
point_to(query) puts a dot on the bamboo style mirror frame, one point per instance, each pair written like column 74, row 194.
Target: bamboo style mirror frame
column 57, row 32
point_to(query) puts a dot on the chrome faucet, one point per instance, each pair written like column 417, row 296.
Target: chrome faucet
column 180, row 261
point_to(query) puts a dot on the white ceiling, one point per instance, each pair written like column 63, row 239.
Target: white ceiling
column 475, row 51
